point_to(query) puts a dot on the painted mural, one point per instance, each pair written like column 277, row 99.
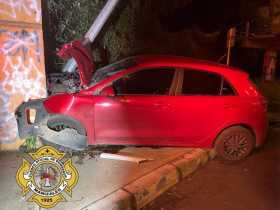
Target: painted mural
column 21, row 10
column 22, row 75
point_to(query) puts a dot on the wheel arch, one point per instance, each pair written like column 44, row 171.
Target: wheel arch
column 244, row 125
column 68, row 120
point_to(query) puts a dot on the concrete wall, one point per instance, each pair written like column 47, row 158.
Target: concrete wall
column 22, row 68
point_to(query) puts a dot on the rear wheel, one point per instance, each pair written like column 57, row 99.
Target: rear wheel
column 235, row 143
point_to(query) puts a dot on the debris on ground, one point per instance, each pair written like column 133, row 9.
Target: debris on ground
column 122, row 157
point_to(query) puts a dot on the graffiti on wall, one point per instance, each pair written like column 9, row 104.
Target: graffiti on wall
column 12, row 8
column 21, row 77
column 18, row 66
column 21, row 42
column 8, row 126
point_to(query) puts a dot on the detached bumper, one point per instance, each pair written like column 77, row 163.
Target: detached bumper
column 68, row 137
column 25, row 128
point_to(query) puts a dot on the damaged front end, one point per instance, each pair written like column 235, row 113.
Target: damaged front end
column 80, row 78
column 33, row 120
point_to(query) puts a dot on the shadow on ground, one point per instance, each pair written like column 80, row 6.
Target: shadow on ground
column 251, row 184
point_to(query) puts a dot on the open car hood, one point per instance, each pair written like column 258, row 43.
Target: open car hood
column 83, row 58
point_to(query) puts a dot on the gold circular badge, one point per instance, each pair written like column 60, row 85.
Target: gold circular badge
column 47, row 177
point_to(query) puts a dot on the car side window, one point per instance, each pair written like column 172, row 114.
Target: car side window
column 201, row 83
column 145, row 82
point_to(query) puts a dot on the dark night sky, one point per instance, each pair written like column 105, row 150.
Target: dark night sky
column 211, row 15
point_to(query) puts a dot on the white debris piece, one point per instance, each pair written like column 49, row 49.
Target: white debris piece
column 137, row 160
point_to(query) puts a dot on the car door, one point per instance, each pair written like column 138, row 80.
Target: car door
column 138, row 111
column 202, row 106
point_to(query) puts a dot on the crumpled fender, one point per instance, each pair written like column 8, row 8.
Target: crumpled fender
column 68, row 137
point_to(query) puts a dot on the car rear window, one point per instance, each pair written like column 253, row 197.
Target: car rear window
column 201, row 83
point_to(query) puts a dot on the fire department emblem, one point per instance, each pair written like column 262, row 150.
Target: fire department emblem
column 47, row 177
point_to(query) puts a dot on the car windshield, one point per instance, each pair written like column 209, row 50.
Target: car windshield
column 112, row 69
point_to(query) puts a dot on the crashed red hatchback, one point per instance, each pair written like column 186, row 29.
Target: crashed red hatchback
column 154, row 101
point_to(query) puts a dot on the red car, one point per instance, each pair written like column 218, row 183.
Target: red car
column 154, row 101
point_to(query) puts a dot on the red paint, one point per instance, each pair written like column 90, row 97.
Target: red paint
column 108, row 91
column 47, row 176
column 82, row 57
column 193, row 121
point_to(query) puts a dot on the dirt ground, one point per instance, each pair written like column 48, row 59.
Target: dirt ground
column 250, row 184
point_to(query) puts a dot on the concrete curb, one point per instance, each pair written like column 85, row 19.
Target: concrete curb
column 139, row 193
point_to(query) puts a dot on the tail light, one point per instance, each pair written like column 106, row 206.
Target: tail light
column 254, row 90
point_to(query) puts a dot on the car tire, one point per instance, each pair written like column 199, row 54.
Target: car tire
column 234, row 143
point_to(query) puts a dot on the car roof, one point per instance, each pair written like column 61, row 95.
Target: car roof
column 169, row 60
column 179, row 59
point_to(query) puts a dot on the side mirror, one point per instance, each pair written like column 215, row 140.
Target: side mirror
column 108, row 91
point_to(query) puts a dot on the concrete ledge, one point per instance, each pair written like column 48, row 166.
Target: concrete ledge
column 139, row 193
column 152, row 185
column 186, row 166
column 191, row 161
column 212, row 153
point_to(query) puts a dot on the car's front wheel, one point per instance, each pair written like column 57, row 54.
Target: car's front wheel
column 234, row 143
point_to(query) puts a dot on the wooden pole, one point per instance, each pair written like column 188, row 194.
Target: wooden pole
column 228, row 55
column 269, row 65
column 230, row 42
